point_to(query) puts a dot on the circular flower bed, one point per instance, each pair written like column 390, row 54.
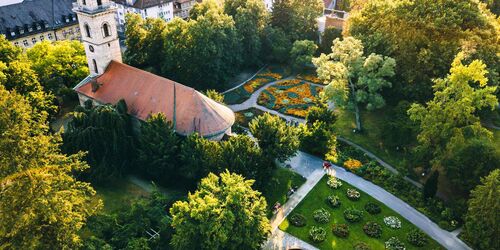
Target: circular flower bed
column 417, row 238
column 361, row 246
column 317, row 234
column 334, row 201
column 321, row 216
column 394, row 244
column 334, row 182
column 297, row 220
column 353, row 215
column 341, row 230
column 353, row 194
column 372, row 229
column 372, row 208
column 392, row 222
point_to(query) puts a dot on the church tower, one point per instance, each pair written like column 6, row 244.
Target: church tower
column 99, row 35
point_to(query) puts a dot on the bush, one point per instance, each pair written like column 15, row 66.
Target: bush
column 372, row 229
column 394, row 244
column 353, row 194
column 372, row 208
column 392, row 222
column 361, row 246
column 352, row 164
column 334, row 182
column 334, row 201
column 353, row 215
column 341, row 230
column 317, row 234
column 321, row 216
column 417, row 238
column 298, row 220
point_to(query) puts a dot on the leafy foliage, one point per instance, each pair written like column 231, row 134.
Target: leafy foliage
column 372, row 208
column 329, row 35
column 431, row 185
column 341, row 230
column 353, row 215
column 372, row 229
column 321, row 216
column 223, row 213
column 417, row 238
column 394, row 244
column 317, row 234
column 298, row 220
column 334, row 201
column 301, row 54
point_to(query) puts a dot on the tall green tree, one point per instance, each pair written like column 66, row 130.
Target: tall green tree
column 223, row 213
column 431, row 185
column 158, row 148
column 42, row 206
column 353, row 78
column 450, row 117
column 482, row 219
column 106, row 134
column 424, row 45
column 327, row 38
column 297, row 18
column 199, row 157
column 276, row 139
column 135, row 38
column 276, row 45
column 302, row 54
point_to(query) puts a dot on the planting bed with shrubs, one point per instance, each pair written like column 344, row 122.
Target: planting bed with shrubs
column 351, row 224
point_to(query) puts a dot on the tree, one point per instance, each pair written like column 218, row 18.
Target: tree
column 158, row 148
column 277, row 140
column 353, row 78
column 431, row 185
column 329, row 35
column 42, row 206
column 297, row 18
column 135, row 38
column 199, row 157
column 282, row 14
column 59, row 65
column 301, row 54
column 214, row 95
column 424, row 45
column 106, row 133
column 250, row 17
column 482, row 218
column 400, row 131
column 223, row 213
column 450, row 119
column 276, row 45
column 317, row 136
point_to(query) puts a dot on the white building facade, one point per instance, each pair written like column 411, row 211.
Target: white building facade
column 163, row 9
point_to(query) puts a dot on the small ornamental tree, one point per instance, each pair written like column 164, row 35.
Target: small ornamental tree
column 223, row 213
column 301, row 54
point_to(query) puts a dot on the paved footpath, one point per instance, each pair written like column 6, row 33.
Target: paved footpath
column 311, row 167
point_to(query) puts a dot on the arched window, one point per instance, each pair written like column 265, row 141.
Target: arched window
column 99, row 2
column 95, row 66
column 84, row 2
column 87, row 30
column 105, row 30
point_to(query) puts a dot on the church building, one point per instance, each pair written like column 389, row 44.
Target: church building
column 145, row 94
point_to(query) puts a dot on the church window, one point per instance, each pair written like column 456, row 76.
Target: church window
column 91, row 48
column 105, row 30
column 87, row 30
column 95, row 66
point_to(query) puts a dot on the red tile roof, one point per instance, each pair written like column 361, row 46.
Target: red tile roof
column 147, row 94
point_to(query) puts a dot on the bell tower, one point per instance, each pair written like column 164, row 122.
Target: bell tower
column 99, row 35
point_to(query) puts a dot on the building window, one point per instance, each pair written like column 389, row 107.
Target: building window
column 42, row 38
column 105, row 30
column 16, row 43
column 25, row 43
column 99, row 2
column 95, row 66
column 91, row 48
column 33, row 40
column 84, row 2
column 49, row 36
column 13, row 33
column 87, row 30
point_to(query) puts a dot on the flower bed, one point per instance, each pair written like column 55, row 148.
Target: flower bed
column 353, row 194
column 317, row 234
column 333, row 182
column 334, row 201
column 321, row 216
column 310, row 78
column 340, row 230
column 372, row 208
column 392, row 222
column 298, row 220
column 353, row 215
column 242, row 93
column 290, row 97
column 372, row 229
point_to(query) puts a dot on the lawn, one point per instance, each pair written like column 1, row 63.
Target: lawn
column 290, row 97
column 279, row 185
column 317, row 199
column 244, row 117
column 371, row 138
column 242, row 93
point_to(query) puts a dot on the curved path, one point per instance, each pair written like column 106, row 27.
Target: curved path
column 309, row 165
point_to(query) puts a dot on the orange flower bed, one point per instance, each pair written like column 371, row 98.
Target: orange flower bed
column 310, row 78
column 352, row 164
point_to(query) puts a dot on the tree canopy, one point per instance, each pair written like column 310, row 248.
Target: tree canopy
column 223, row 213
column 302, row 54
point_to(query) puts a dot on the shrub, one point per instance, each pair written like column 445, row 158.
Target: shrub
column 334, row 201
column 321, row 215
column 298, row 220
column 417, row 238
column 352, row 164
column 372, row 208
column 334, row 182
column 392, row 222
column 353, row 194
column 394, row 244
column 353, row 215
column 361, row 246
column 317, row 234
column 372, row 229
column 341, row 230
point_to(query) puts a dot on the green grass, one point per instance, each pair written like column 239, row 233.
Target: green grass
column 244, row 117
column 283, row 179
column 317, row 199
column 119, row 194
column 371, row 138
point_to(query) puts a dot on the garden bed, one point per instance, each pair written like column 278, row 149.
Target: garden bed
column 244, row 117
column 242, row 93
column 290, row 97
column 337, row 237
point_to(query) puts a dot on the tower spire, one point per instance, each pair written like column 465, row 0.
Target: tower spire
column 99, row 35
